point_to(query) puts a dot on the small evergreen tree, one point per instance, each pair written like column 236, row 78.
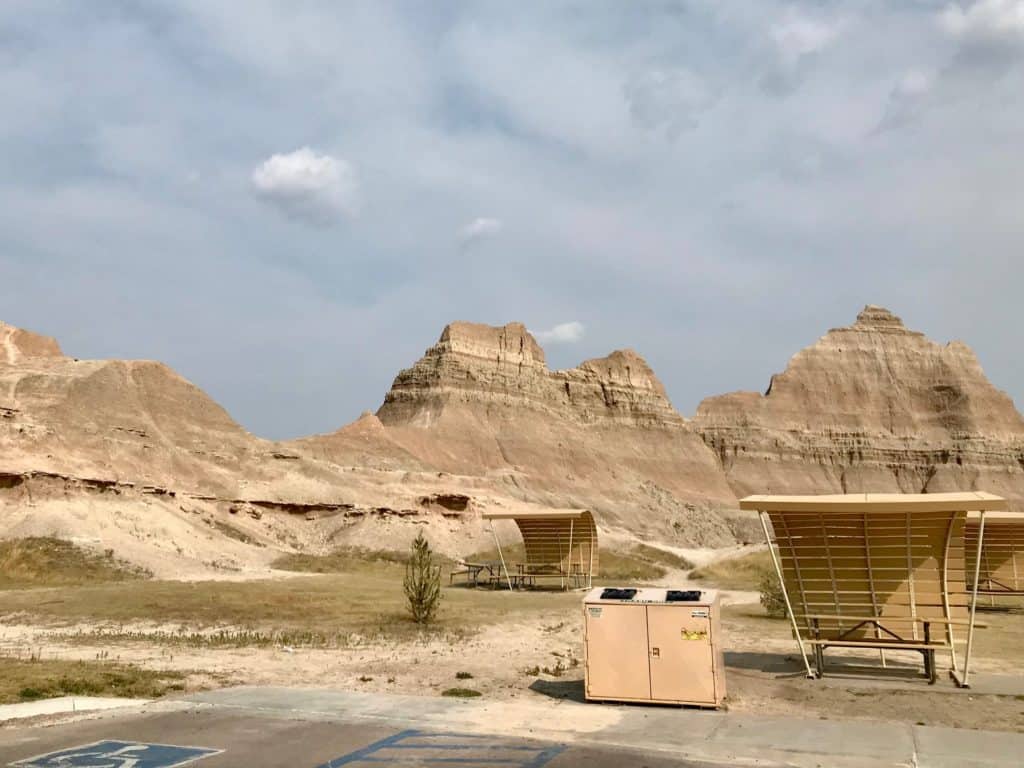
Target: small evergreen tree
column 422, row 582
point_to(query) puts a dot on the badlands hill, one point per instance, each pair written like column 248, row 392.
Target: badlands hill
column 128, row 455
column 483, row 403
column 870, row 407
column 131, row 456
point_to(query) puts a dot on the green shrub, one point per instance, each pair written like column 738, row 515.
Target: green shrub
column 772, row 597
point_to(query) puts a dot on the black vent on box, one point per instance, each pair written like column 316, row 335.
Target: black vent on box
column 682, row 596
column 618, row 594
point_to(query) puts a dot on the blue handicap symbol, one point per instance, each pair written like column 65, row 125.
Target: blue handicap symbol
column 118, row 754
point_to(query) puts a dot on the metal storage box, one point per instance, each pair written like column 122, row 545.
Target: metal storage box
column 654, row 645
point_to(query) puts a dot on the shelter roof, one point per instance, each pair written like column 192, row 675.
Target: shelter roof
column 535, row 514
column 877, row 502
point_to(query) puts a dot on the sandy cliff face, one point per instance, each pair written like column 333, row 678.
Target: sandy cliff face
column 130, row 455
column 601, row 435
column 870, row 407
column 475, row 364
column 17, row 344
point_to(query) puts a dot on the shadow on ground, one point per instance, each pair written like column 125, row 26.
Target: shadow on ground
column 560, row 689
column 838, row 667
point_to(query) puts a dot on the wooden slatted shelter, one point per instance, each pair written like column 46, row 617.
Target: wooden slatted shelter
column 876, row 571
column 1002, row 556
column 559, row 544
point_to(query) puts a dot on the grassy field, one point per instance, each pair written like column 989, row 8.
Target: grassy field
column 46, row 561
column 369, row 602
column 31, row 679
column 742, row 572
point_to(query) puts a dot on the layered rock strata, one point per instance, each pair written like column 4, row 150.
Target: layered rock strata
column 505, row 366
column 602, row 435
column 870, row 407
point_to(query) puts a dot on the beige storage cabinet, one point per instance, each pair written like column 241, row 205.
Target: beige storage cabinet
column 655, row 645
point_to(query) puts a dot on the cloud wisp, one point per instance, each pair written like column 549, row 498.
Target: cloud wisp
column 797, row 39
column 563, row 333
column 480, row 228
column 316, row 189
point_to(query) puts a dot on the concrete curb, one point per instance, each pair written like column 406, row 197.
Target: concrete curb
column 64, row 705
column 713, row 737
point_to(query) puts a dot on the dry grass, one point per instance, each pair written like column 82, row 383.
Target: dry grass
column 1001, row 638
column 638, row 564
column 47, row 561
column 31, row 679
column 341, row 560
column 369, row 603
column 741, row 572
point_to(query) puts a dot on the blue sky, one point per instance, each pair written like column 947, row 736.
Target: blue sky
column 286, row 202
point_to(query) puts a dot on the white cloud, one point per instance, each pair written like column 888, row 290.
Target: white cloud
column 479, row 229
column 314, row 188
column 797, row 36
column 563, row 333
column 985, row 21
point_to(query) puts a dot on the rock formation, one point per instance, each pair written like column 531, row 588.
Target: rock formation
column 17, row 344
column 505, row 367
column 603, row 435
column 870, row 407
column 131, row 455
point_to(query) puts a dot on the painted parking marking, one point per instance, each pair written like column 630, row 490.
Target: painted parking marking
column 118, row 754
column 461, row 749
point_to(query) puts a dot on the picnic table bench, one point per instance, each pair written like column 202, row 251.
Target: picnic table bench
column 892, row 640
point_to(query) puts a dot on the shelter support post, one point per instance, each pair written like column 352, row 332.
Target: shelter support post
column 785, row 593
column 501, row 556
column 590, row 567
column 569, row 574
column 950, row 635
column 962, row 680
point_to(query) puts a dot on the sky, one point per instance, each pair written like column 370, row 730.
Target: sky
column 287, row 202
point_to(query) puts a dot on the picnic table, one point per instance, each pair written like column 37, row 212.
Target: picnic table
column 516, row 575
column 475, row 571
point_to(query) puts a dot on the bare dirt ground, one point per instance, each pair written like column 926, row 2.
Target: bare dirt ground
column 347, row 631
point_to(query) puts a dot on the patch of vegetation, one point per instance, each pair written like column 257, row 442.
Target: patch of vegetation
column 34, row 678
column 555, row 671
column 44, row 561
column 744, row 572
column 341, row 560
column 773, row 600
column 221, row 638
column 660, row 556
column 637, row 563
column 463, row 675
column 234, row 533
column 461, row 693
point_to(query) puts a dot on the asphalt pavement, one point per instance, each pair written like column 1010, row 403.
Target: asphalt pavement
column 252, row 727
